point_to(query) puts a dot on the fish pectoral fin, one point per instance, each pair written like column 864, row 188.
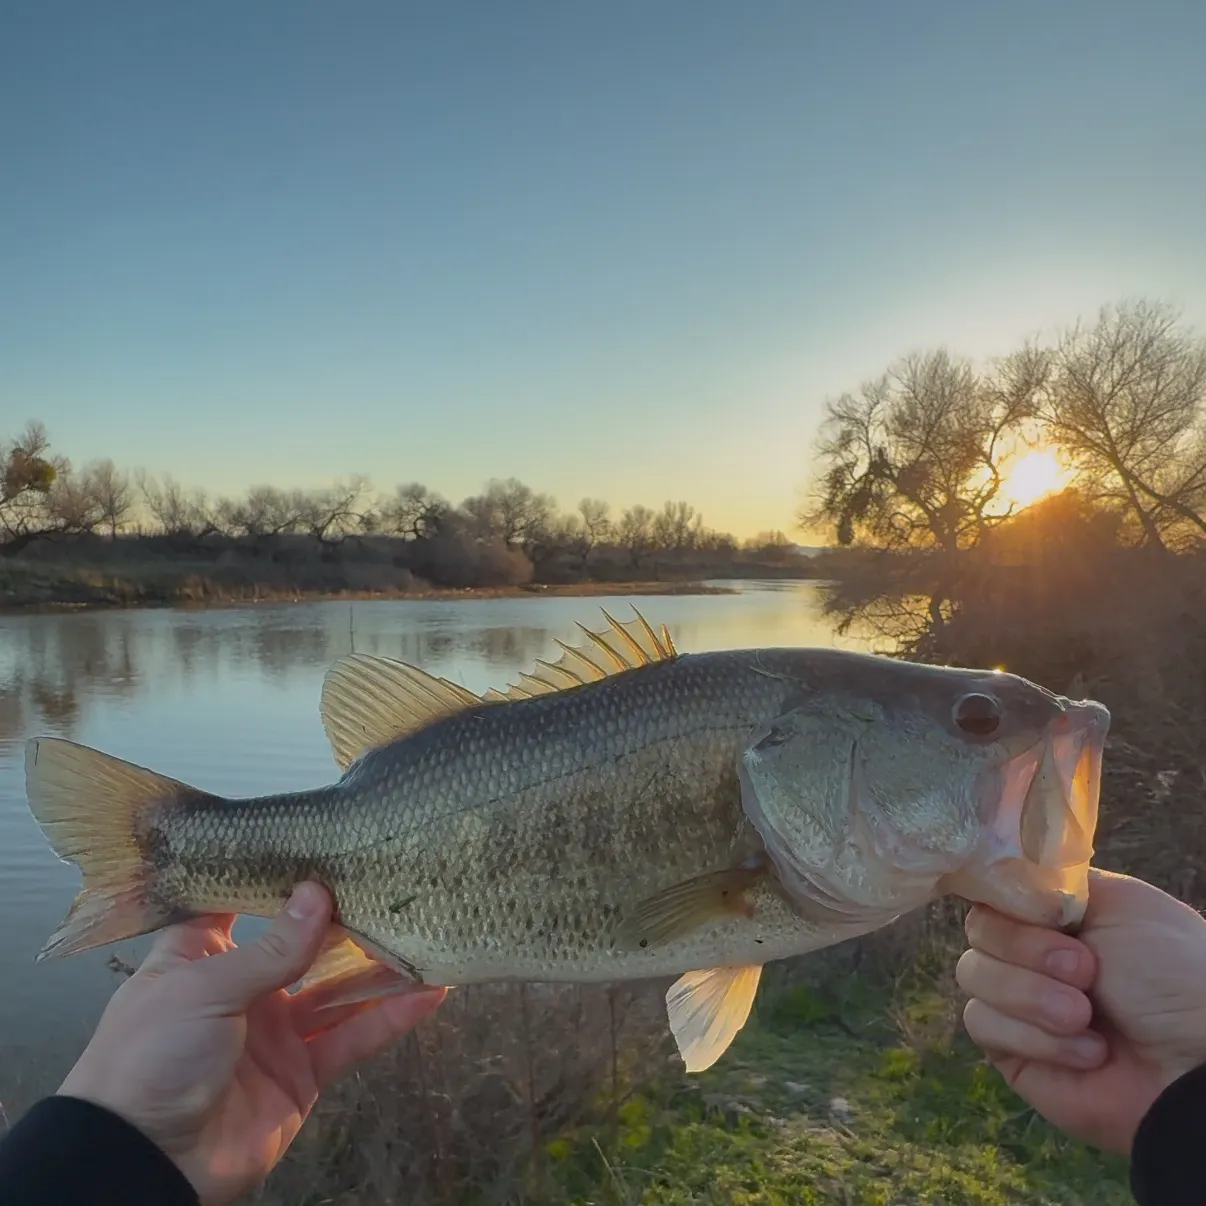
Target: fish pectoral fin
column 706, row 1010
column 370, row 701
column 686, row 906
column 345, row 974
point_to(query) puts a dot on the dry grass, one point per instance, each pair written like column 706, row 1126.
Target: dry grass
column 154, row 570
column 463, row 1109
column 152, row 584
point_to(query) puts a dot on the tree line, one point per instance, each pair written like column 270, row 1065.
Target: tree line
column 499, row 534
column 914, row 465
column 915, row 458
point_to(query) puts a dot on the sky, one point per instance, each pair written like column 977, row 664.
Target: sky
column 624, row 250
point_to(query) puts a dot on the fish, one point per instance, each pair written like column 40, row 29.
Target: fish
column 627, row 812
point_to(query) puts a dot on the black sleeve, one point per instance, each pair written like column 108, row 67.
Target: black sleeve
column 69, row 1152
column 1168, row 1158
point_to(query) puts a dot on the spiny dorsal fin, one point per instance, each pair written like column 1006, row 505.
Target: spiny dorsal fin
column 707, row 1008
column 618, row 648
column 370, row 701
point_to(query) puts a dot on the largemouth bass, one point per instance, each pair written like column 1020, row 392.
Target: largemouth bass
column 627, row 812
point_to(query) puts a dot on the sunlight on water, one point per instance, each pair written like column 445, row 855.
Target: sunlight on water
column 228, row 700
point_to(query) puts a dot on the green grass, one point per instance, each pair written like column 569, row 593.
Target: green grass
column 918, row 1121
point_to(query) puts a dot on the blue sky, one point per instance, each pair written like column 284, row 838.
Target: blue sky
column 621, row 249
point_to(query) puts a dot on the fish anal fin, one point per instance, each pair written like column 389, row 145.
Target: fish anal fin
column 706, row 1009
column 684, row 907
column 369, row 701
column 346, row 973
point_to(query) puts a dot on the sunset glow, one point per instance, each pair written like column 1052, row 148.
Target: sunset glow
column 1033, row 476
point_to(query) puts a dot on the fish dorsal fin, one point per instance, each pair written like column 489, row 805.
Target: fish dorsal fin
column 620, row 647
column 706, row 1010
column 370, row 701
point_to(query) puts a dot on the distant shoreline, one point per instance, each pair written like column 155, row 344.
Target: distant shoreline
column 74, row 596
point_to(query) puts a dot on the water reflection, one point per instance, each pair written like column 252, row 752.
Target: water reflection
column 228, row 700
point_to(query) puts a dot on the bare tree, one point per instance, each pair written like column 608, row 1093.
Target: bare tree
column 38, row 498
column 73, row 504
column 635, row 533
column 595, row 526
column 331, row 515
column 414, row 511
column 1125, row 401
column 915, row 460
column 269, row 511
column 912, row 467
column 112, row 493
column 772, row 539
column 512, row 512
column 677, row 527
column 178, row 512
column 227, row 516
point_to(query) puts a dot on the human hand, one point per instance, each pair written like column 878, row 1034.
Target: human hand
column 1090, row 1030
column 203, row 1051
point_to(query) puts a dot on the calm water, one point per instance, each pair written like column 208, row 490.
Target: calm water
column 228, row 700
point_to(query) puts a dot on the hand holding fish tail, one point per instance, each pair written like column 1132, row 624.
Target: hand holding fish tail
column 1105, row 1033
column 203, row 1052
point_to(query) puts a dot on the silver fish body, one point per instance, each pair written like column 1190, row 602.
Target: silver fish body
column 630, row 812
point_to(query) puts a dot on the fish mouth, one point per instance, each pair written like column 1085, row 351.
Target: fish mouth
column 1033, row 864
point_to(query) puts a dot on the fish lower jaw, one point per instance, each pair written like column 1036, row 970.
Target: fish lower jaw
column 1048, row 897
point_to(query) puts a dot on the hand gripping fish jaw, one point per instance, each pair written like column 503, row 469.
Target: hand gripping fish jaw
column 1033, row 863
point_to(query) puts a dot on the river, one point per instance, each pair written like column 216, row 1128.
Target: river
column 228, row 700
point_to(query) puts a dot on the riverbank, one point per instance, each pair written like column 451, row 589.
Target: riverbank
column 22, row 590
column 845, row 1088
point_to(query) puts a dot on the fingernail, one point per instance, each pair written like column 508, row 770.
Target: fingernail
column 1059, row 1007
column 306, row 902
column 1063, row 963
column 1087, row 1048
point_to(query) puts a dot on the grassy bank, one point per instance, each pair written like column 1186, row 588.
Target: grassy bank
column 846, row 1088
column 849, row 1086
column 819, row 1102
column 30, row 588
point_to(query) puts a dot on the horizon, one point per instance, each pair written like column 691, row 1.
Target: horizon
column 590, row 252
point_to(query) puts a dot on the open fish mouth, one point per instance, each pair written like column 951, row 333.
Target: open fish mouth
column 1058, row 817
column 1034, row 863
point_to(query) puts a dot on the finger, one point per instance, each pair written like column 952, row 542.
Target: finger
column 1005, row 1037
column 1024, row 994
column 1042, row 950
column 189, row 940
column 230, row 982
column 368, row 1032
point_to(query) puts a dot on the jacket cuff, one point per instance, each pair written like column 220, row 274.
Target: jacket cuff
column 1168, row 1157
column 66, row 1150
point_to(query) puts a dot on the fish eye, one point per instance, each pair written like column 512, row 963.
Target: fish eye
column 979, row 715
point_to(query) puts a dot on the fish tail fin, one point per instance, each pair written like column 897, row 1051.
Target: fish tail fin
column 93, row 810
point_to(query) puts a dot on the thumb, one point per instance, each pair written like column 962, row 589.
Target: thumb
column 276, row 959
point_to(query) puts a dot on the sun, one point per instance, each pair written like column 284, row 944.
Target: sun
column 1033, row 476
